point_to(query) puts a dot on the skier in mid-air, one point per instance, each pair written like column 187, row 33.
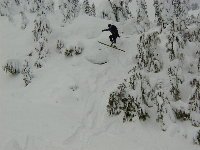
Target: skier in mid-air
column 114, row 31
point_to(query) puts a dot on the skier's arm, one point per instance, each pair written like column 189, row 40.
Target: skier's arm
column 105, row 30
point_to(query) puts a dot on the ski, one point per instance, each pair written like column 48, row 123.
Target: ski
column 112, row 46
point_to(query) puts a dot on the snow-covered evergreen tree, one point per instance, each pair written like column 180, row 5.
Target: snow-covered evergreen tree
column 162, row 105
column 69, row 9
column 175, row 41
column 93, row 10
column 121, row 10
column 86, row 7
column 142, row 17
column 158, row 13
column 41, row 32
column 60, row 46
column 107, row 11
column 8, row 8
column 117, row 10
column 197, row 138
column 36, row 6
column 42, row 27
column 176, row 78
column 42, row 52
column 131, row 98
column 148, row 56
column 25, row 20
column 194, row 102
column 27, row 73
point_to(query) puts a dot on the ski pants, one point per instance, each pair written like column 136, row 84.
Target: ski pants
column 113, row 38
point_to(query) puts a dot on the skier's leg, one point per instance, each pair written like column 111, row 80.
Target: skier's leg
column 114, row 39
column 111, row 38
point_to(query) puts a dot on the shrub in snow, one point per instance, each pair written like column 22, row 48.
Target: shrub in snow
column 42, row 52
column 121, row 10
column 27, row 73
column 49, row 6
column 8, row 8
column 176, row 78
column 130, row 98
column 86, row 7
column 60, row 46
column 175, row 41
column 162, row 105
column 142, row 17
column 195, row 64
column 158, row 12
column 197, row 138
column 69, row 9
column 74, row 50
column 148, row 56
column 37, row 6
column 194, row 102
column 107, row 11
column 181, row 111
column 24, row 20
column 93, row 10
column 41, row 27
column 12, row 66
column 115, row 10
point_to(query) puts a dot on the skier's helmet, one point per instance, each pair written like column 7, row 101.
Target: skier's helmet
column 109, row 25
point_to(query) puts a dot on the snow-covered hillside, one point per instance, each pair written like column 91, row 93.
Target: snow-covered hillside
column 64, row 107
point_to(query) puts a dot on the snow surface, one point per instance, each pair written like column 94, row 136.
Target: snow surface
column 64, row 108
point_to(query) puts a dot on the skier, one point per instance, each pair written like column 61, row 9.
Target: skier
column 114, row 31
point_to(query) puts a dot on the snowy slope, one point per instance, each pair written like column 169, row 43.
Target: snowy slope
column 64, row 108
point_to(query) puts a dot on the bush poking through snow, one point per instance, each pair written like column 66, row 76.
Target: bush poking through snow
column 148, row 56
column 176, row 78
column 143, row 23
column 42, row 52
column 12, row 66
column 60, row 46
column 194, row 102
column 197, row 138
column 131, row 98
column 181, row 114
column 26, row 72
column 73, row 50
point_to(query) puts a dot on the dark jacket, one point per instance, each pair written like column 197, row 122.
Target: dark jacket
column 113, row 30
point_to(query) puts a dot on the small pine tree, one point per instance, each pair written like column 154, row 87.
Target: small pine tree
column 69, row 9
column 25, row 20
column 148, row 56
column 60, row 46
column 194, row 102
column 27, row 73
column 7, row 9
column 142, row 16
column 42, row 27
column 158, row 13
column 86, row 7
column 42, row 52
column 176, row 78
column 175, row 41
column 196, row 139
column 107, row 12
column 162, row 104
column 131, row 98
column 93, row 10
